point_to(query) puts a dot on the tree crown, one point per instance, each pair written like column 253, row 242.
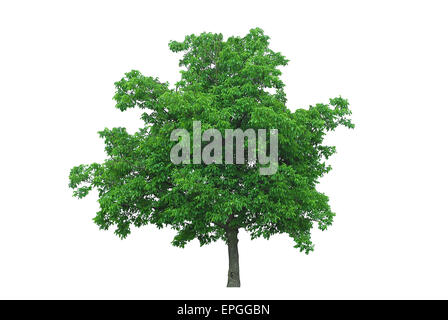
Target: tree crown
column 225, row 84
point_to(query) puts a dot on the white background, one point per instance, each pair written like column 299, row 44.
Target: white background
column 58, row 63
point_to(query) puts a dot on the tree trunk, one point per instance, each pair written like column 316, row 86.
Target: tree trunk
column 234, row 265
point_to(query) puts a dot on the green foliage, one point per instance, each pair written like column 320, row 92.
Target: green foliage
column 225, row 85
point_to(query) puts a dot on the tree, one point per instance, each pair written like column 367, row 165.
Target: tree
column 233, row 83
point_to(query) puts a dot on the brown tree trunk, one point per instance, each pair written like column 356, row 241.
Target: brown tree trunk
column 234, row 265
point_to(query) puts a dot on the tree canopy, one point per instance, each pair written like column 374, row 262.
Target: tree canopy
column 232, row 83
